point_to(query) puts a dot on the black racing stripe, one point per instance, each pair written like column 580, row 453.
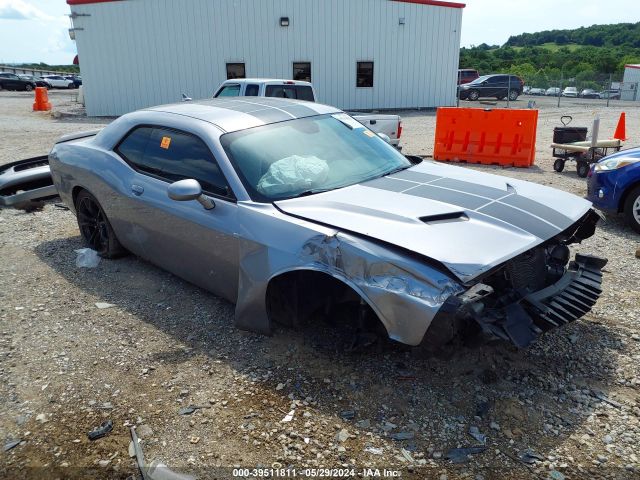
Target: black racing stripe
column 539, row 210
column 463, row 200
column 269, row 115
column 417, row 177
column 468, row 187
column 520, row 219
column 387, row 183
column 300, row 110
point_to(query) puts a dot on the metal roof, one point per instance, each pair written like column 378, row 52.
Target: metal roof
column 232, row 114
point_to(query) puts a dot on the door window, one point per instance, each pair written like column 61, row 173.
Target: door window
column 251, row 90
column 172, row 155
column 228, row 91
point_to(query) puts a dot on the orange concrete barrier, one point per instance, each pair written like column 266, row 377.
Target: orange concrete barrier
column 492, row 137
column 42, row 100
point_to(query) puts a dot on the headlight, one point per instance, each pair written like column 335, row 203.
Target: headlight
column 614, row 164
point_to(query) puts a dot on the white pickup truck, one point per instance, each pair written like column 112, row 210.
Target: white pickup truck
column 389, row 125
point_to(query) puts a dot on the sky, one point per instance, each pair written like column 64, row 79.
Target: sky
column 37, row 30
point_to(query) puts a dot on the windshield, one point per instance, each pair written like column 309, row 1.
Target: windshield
column 479, row 79
column 308, row 155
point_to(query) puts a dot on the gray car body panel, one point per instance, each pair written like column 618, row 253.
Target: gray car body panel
column 362, row 235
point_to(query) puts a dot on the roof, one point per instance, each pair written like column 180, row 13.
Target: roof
column 632, row 65
column 239, row 113
column 437, row 3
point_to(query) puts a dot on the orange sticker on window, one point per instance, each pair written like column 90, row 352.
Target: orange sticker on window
column 166, row 141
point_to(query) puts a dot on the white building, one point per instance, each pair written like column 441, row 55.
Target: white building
column 630, row 82
column 360, row 54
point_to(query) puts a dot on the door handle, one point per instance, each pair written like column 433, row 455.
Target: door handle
column 137, row 189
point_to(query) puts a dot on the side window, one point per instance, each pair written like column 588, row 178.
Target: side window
column 302, row 71
column 229, row 91
column 364, row 76
column 304, row 92
column 172, row 155
column 235, row 70
column 251, row 90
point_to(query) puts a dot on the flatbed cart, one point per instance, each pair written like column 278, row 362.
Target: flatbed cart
column 583, row 153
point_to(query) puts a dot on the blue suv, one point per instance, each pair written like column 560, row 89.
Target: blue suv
column 614, row 185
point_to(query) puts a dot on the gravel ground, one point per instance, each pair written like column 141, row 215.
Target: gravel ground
column 67, row 365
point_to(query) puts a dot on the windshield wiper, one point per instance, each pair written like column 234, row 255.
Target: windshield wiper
column 306, row 193
column 396, row 170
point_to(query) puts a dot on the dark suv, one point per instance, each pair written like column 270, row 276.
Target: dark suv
column 10, row 81
column 492, row 86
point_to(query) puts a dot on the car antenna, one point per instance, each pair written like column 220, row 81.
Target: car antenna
column 185, row 98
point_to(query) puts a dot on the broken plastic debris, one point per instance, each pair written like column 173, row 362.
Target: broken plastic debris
column 191, row 408
column 348, row 414
column 374, row 450
column 529, row 456
column 475, row 433
column 101, row 431
column 406, row 455
column 11, row 444
column 103, row 305
column 87, row 258
column 159, row 471
column 461, row 455
column 288, row 417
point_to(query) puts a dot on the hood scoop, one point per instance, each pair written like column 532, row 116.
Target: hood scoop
column 445, row 218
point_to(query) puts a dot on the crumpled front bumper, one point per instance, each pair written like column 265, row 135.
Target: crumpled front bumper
column 566, row 300
column 25, row 181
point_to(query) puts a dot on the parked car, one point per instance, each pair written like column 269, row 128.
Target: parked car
column 614, row 185
column 611, row 94
column 40, row 82
column 466, row 75
column 301, row 212
column 11, row 81
column 570, row 92
column 589, row 93
column 552, row 92
column 58, row 81
column 536, row 91
column 76, row 79
column 498, row 86
column 389, row 125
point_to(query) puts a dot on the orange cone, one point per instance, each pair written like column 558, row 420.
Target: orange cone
column 621, row 130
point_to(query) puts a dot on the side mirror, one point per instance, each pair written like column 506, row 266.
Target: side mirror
column 185, row 190
column 385, row 137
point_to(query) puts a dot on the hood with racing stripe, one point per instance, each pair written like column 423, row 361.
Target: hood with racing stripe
column 467, row 220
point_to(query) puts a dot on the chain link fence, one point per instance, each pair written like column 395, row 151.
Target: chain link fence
column 609, row 88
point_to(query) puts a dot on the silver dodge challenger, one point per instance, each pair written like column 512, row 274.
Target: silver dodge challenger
column 294, row 210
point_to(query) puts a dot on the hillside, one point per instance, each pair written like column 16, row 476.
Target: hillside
column 585, row 57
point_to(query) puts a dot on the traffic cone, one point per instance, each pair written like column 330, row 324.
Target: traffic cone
column 621, row 130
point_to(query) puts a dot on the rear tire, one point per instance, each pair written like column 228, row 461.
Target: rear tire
column 632, row 209
column 513, row 95
column 95, row 228
column 558, row 165
column 70, row 86
column 28, row 88
column 582, row 168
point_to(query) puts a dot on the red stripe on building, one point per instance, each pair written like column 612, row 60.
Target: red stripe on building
column 436, row 3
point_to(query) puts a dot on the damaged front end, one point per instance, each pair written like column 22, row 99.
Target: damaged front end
column 26, row 181
column 536, row 291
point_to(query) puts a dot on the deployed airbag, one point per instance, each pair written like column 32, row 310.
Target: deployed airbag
column 292, row 174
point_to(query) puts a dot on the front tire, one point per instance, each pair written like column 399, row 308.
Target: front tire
column 632, row 209
column 473, row 95
column 95, row 228
column 70, row 86
column 28, row 88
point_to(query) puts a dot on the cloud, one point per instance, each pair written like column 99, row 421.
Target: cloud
column 21, row 10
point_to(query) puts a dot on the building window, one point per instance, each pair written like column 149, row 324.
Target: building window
column 365, row 74
column 235, row 70
column 302, row 71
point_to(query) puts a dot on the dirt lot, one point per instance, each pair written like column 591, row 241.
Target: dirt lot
column 67, row 365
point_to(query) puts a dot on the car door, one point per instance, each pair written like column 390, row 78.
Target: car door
column 14, row 81
column 183, row 237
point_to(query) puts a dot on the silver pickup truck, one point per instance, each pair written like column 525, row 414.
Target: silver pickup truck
column 389, row 125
